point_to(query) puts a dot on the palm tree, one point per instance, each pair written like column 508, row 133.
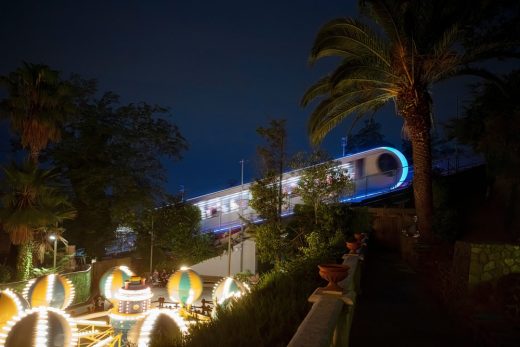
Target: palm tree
column 38, row 104
column 402, row 49
column 31, row 204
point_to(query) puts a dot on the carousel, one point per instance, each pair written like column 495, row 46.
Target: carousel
column 39, row 316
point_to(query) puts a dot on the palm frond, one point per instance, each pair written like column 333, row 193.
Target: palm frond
column 363, row 71
column 349, row 38
column 319, row 88
column 334, row 110
column 383, row 15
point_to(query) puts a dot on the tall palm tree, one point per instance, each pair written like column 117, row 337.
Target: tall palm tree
column 396, row 54
column 31, row 204
column 38, row 104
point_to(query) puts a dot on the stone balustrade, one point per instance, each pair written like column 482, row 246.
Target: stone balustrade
column 330, row 318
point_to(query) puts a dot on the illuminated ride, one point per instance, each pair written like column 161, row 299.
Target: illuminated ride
column 114, row 279
column 226, row 292
column 50, row 291
column 374, row 172
column 184, row 287
column 130, row 320
column 131, row 303
column 11, row 304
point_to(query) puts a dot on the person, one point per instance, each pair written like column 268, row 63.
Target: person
column 155, row 277
column 413, row 230
column 99, row 303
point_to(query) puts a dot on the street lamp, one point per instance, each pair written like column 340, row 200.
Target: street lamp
column 241, row 215
column 151, row 248
column 55, row 239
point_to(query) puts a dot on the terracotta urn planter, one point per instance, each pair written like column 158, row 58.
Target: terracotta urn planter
column 333, row 273
column 353, row 246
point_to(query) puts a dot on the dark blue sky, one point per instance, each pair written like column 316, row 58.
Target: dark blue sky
column 224, row 68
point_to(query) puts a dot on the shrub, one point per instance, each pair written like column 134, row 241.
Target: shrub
column 270, row 315
column 5, row 273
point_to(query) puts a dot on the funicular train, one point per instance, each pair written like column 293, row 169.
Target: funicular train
column 374, row 172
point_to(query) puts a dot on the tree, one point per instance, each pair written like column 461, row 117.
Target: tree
column 112, row 155
column 268, row 197
column 491, row 125
column 268, row 235
column 322, row 181
column 273, row 155
column 32, row 205
column 177, row 233
column 405, row 48
column 38, row 105
column 369, row 136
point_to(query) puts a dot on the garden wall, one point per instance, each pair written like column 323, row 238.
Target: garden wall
column 82, row 281
column 474, row 263
column 388, row 224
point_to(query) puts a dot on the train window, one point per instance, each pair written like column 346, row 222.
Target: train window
column 387, row 163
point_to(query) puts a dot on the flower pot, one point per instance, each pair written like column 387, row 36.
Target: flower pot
column 333, row 273
column 353, row 246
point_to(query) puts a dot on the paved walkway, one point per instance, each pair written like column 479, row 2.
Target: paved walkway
column 394, row 310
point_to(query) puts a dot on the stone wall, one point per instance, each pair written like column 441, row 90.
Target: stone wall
column 388, row 223
column 489, row 262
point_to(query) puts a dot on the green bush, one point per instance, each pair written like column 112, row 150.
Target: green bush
column 5, row 273
column 270, row 315
column 82, row 283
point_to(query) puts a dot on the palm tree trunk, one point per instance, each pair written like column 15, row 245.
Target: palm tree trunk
column 422, row 180
column 24, row 261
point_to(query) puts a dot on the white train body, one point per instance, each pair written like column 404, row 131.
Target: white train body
column 374, row 172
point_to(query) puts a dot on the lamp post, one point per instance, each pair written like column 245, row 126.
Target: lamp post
column 241, row 213
column 55, row 239
column 229, row 253
column 151, row 248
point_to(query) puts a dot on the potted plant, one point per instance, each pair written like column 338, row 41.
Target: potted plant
column 333, row 273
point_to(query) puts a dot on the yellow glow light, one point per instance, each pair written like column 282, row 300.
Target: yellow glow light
column 149, row 323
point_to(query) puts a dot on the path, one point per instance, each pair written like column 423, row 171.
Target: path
column 394, row 310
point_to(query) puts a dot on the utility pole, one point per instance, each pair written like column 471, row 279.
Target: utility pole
column 55, row 239
column 151, row 248
column 344, row 145
column 241, row 215
column 229, row 253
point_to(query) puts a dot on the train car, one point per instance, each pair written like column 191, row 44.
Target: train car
column 374, row 172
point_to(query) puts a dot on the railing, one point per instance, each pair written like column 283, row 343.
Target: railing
column 329, row 321
column 204, row 309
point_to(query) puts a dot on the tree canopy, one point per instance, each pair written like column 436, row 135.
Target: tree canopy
column 112, row 153
column 396, row 52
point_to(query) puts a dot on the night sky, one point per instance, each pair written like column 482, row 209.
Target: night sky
column 223, row 68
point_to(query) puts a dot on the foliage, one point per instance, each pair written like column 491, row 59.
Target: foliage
column 38, row 105
column 111, row 154
column 5, row 273
column 177, row 235
column 492, row 123
column 317, row 245
column 33, row 206
column 396, row 53
column 321, row 182
column 271, row 246
column 270, row 315
column 368, row 137
column 24, row 261
column 32, row 202
column 268, row 199
column 82, row 281
column 273, row 157
column 360, row 220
